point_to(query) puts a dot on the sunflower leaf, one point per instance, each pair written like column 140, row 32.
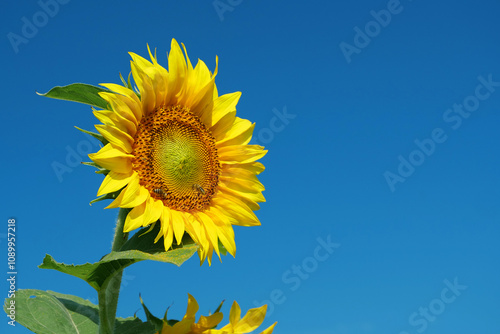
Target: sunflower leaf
column 52, row 312
column 79, row 92
column 98, row 274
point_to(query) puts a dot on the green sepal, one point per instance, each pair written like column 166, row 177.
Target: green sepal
column 45, row 312
column 157, row 323
column 129, row 84
column 123, row 80
column 222, row 249
column 126, row 83
column 220, row 306
column 100, row 170
column 97, row 136
column 79, row 92
column 105, row 196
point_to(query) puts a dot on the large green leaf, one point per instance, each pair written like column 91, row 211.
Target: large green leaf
column 41, row 312
column 140, row 247
column 48, row 312
column 79, row 92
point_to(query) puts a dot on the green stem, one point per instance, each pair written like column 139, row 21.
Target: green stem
column 110, row 290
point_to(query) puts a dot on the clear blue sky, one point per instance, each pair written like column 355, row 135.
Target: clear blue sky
column 413, row 97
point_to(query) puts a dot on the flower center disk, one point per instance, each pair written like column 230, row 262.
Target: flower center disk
column 176, row 158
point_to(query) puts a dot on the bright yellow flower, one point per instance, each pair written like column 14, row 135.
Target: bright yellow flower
column 250, row 322
column 188, row 325
column 178, row 154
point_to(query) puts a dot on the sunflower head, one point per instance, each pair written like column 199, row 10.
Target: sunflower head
column 206, row 325
column 178, row 155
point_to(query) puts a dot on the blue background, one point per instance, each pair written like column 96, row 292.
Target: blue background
column 325, row 170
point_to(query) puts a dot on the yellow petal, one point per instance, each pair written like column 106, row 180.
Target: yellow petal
column 178, row 225
column 202, row 106
column 239, row 134
column 252, row 320
column 130, row 98
column 177, row 72
column 133, row 195
column 156, row 210
column 138, row 199
column 243, row 171
column 236, row 210
column 106, row 117
column 113, row 159
column 269, row 330
column 192, row 307
column 146, row 217
column 210, row 321
column 121, row 105
column 192, row 229
column 165, row 222
column 219, row 130
column 223, row 105
column 189, row 65
column 134, row 218
column 200, row 99
column 167, row 228
column 143, row 82
column 210, row 229
column 251, row 184
column 195, row 81
column 157, row 80
column 226, row 237
column 240, row 153
column 235, row 314
column 112, row 118
column 116, row 137
column 183, row 326
column 114, row 181
column 249, row 198
column 203, row 240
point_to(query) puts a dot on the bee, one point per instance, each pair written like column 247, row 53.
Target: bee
column 199, row 188
column 159, row 191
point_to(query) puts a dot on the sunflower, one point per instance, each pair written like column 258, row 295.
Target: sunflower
column 188, row 324
column 178, row 155
column 205, row 325
column 250, row 322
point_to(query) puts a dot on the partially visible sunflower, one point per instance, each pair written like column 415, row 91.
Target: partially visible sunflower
column 178, row 154
column 250, row 322
column 188, row 325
